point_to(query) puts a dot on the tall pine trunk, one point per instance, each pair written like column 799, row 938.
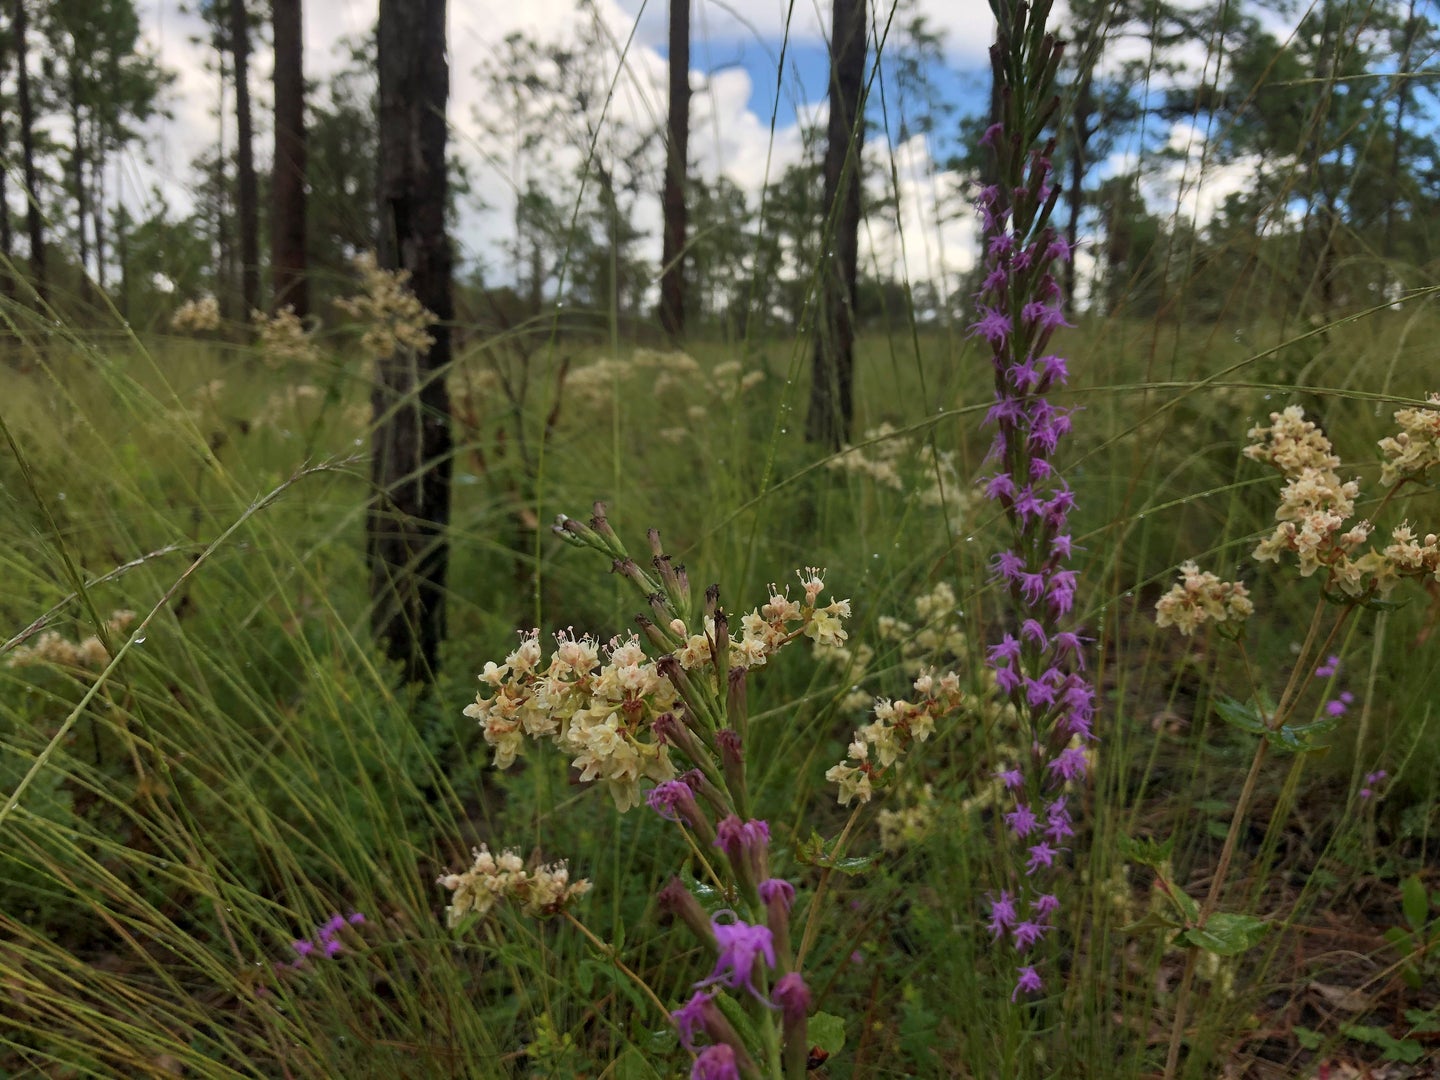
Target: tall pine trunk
column 20, row 24
column 672, row 260
column 832, row 404
column 287, row 236
column 412, row 443
column 7, row 239
column 246, row 197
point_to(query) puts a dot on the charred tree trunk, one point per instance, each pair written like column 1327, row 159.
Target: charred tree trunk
column 412, row 444
column 20, row 24
column 245, row 195
column 287, row 237
column 832, row 372
column 672, row 260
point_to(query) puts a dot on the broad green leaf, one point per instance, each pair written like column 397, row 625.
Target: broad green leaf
column 1227, row 935
column 1239, row 715
column 1414, row 902
column 827, row 1032
column 1310, row 1040
column 1151, row 921
column 631, row 1065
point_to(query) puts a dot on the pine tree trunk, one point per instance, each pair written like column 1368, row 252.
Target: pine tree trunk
column 832, row 372
column 19, row 24
column 287, row 238
column 672, row 260
column 412, row 444
column 246, row 197
column 7, row 238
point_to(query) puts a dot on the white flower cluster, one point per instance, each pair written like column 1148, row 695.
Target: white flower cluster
column 283, row 338
column 1417, row 446
column 1316, row 506
column 545, row 890
column 599, row 713
column 198, row 315
column 892, row 461
column 935, row 634
column 391, row 315
column 897, row 726
column 1200, row 598
column 52, row 648
column 908, row 825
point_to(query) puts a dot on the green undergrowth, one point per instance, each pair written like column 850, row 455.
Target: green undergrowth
column 246, row 767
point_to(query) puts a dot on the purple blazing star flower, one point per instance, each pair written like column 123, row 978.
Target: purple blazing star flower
column 1028, row 983
column 303, row 947
column 1041, row 854
column 993, row 326
column 793, row 997
column 1027, row 934
column 740, row 946
column 1043, row 906
column 736, row 837
column 999, row 487
column 772, row 889
column 1022, row 820
column 1008, row 565
column 1008, row 650
column 1069, row 765
column 690, row 1018
column 1007, row 679
column 1328, row 669
column 1013, row 779
column 1002, row 914
column 715, row 1063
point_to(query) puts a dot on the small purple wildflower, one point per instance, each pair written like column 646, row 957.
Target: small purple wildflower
column 1028, row 933
column 715, row 1063
column 740, row 946
column 1028, row 983
column 1022, row 820
column 792, row 996
column 1041, row 854
column 777, row 889
column 303, row 947
column 690, row 1018
column 1002, row 914
column 1330, row 668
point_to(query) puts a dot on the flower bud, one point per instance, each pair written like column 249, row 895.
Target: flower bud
column 675, row 901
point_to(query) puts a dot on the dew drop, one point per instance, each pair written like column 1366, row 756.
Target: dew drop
column 140, row 640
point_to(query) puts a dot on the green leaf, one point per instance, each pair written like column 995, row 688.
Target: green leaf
column 1405, row 1050
column 1415, row 903
column 631, row 1065
column 1185, row 902
column 1151, row 921
column 1310, row 1040
column 1227, row 935
column 1301, row 737
column 1146, row 852
column 827, row 1032
column 817, row 851
column 1240, row 715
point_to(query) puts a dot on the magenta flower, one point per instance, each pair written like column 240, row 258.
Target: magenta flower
column 690, row 1018
column 792, row 995
column 1002, row 914
column 715, row 1063
column 1028, row 983
column 741, row 945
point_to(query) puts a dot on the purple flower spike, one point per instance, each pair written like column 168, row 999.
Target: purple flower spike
column 1022, row 820
column 355, row 918
column 1041, row 854
column 793, row 997
column 303, row 948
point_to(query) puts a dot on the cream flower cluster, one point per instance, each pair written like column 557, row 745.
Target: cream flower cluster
column 891, row 461
column 391, row 315
column 897, row 726
column 1200, row 598
column 781, row 620
column 1316, row 506
column 597, row 712
column 545, row 890
column 1315, row 503
column 936, row 633
column 52, row 648
column 197, row 315
column 908, row 825
column 1417, row 446
column 283, row 337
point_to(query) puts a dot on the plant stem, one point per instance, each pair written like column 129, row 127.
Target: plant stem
column 812, row 923
column 609, row 951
